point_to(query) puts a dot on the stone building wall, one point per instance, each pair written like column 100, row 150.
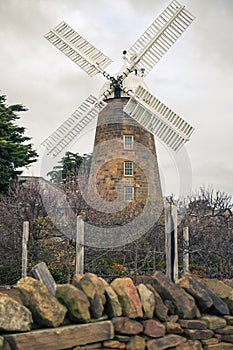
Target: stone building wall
column 107, row 178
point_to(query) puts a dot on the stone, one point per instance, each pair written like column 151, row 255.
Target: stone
column 14, row 317
column 124, row 325
column 160, row 310
column 4, row 345
column 214, row 322
column 147, row 300
column 102, row 318
column 210, row 341
column 198, row 334
column 173, row 318
column 113, row 344
column 77, row 278
column 218, row 337
column 223, row 291
column 171, row 306
column 94, row 289
column 197, row 289
column 63, row 337
column 75, row 301
column 122, row 338
column 153, row 328
column 190, row 345
column 219, row 307
column 166, row 342
column 136, row 343
column 227, row 338
column 229, row 320
column 41, row 272
column 193, row 324
column 173, row 328
column 45, row 308
column 128, row 297
column 97, row 282
column 220, row 346
column 95, row 346
column 112, row 306
column 184, row 303
column 225, row 330
column 198, row 313
column 229, row 283
column 201, row 293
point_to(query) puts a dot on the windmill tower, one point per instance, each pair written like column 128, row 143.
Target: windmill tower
column 124, row 164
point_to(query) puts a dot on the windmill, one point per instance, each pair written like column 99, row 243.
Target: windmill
column 128, row 114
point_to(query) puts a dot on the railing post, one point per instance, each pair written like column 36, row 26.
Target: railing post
column 79, row 258
column 186, row 249
column 171, row 242
column 25, row 248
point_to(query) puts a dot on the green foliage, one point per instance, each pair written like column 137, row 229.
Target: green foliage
column 15, row 152
column 69, row 166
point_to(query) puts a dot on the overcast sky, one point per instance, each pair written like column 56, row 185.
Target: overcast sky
column 195, row 78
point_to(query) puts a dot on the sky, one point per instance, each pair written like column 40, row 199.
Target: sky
column 195, row 77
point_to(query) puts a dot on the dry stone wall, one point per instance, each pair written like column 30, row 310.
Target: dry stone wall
column 192, row 314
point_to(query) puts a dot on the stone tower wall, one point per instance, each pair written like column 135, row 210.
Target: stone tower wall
column 109, row 156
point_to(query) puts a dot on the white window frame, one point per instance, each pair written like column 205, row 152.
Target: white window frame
column 126, row 169
column 126, row 144
column 128, row 193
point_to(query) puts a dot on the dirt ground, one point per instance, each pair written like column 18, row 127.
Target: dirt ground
column 11, row 291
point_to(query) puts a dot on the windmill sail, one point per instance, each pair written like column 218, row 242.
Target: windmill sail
column 159, row 37
column 144, row 54
column 159, row 119
column 73, row 126
column 79, row 50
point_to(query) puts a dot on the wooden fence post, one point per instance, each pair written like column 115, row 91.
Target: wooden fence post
column 171, row 242
column 79, row 258
column 186, row 249
column 25, row 248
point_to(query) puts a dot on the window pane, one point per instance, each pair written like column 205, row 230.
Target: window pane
column 128, row 168
column 128, row 141
column 129, row 193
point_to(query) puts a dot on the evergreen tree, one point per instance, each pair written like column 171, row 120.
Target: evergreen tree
column 15, row 151
column 69, row 166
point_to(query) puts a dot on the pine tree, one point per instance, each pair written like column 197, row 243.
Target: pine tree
column 15, row 151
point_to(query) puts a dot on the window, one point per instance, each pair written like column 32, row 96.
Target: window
column 128, row 168
column 128, row 141
column 128, row 193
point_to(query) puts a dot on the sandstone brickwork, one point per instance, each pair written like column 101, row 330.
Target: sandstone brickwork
column 107, row 178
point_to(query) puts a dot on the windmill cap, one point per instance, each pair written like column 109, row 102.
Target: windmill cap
column 131, row 82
